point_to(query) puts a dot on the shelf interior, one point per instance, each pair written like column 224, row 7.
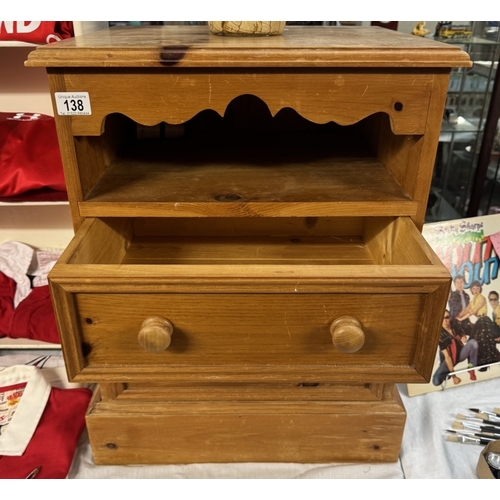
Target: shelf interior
column 201, row 172
column 246, row 160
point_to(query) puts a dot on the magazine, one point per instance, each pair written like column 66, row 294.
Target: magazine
column 469, row 343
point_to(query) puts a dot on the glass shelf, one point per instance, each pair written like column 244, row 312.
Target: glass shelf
column 475, row 40
column 463, row 125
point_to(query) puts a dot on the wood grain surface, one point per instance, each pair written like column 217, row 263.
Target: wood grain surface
column 256, row 306
column 251, row 192
column 186, row 46
column 125, row 432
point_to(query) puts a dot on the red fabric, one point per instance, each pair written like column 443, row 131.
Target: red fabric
column 453, row 351
column 34, row 317
column 36, row 31
column 6, row 388
column 53, row 445
column 7, row 292
column 29, row 154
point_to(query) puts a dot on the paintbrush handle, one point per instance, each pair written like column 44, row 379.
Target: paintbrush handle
column 479, row 428
column 489, row 428
column 485, row 436
column 485, row 421
column 460, row 438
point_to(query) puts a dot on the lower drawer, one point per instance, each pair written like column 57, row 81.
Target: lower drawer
column 126, row 431
column 350, row 300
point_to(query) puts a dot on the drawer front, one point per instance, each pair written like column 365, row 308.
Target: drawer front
column 250, row 336
column 165, row 432
column 355, row 301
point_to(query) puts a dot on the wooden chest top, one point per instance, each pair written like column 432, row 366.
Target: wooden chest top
column 195, row 46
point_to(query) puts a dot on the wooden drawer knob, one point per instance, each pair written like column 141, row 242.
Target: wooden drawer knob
column 347, row 334
column 155, row 333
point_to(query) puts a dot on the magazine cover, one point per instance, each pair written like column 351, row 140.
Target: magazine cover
column 469, row 343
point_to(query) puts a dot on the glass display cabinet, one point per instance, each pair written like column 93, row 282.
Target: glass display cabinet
column 490, row 201
column 467, row 105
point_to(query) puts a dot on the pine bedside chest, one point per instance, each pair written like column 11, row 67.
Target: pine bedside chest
column 248, row 280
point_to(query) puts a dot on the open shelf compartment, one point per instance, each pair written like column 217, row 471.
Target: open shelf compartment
column 247, row 164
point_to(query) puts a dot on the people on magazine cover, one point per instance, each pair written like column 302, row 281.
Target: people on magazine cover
column 459, row 298
column 453, row 350
column 493, row 299
column 483, row 329
column 470, row 250
column 471, row 326
column 458, row 302
column 477, row 306
column 486, row 334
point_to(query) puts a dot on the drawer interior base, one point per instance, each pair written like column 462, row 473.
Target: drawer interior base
column 206, row 241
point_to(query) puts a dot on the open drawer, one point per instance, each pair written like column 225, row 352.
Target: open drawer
column 264, row 300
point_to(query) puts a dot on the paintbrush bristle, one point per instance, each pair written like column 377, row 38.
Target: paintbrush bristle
column 475, row 410
column 461, row 417
column 483, row 416
column 452, row 438
column 457, row 425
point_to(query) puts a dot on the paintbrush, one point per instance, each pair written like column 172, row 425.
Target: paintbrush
column 492, row 414
column 472, row 434
column 479, row 420
column 467, row 439
column 494, row 431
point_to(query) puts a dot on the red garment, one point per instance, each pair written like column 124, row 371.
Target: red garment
column 29, row 154
column 7, row 292
column 34, row 317
column 36, row 31
column 54, row 442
